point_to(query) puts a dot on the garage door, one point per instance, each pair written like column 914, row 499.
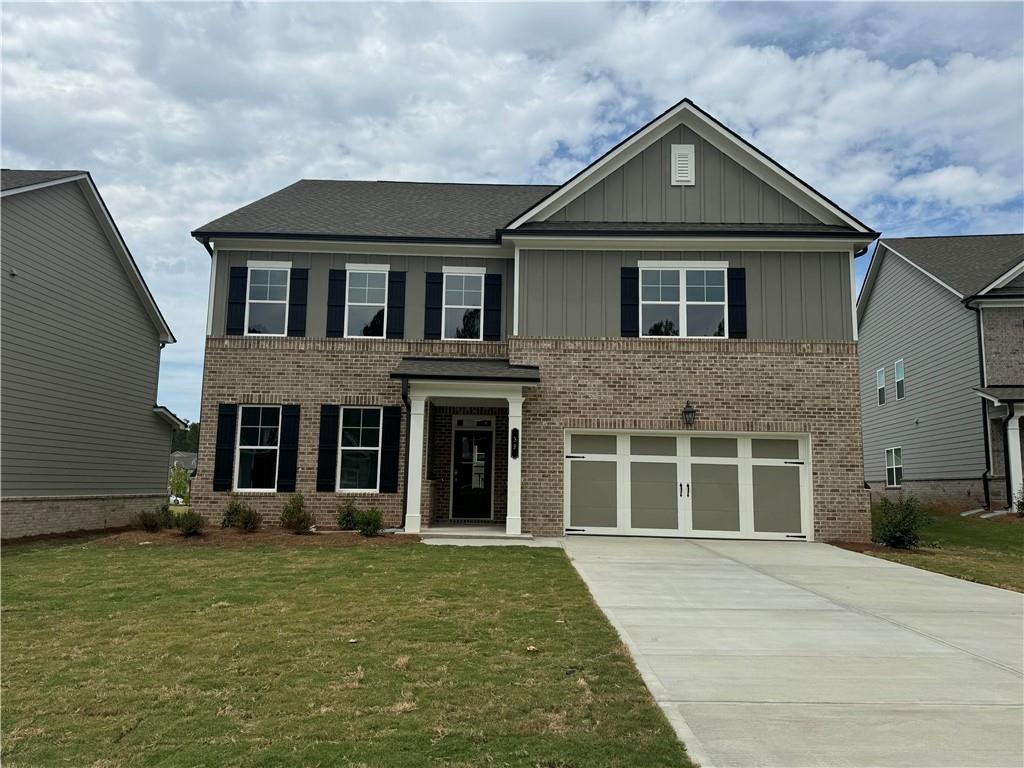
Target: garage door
column 703, row 485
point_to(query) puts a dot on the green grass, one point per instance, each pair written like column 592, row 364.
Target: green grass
column 971, row 548
column 129, row 655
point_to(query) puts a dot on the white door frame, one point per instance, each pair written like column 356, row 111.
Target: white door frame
column 451, row 460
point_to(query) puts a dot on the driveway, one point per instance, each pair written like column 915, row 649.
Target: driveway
column 793, row 654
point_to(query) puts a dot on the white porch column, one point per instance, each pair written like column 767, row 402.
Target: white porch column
column 1013, row 451
column 514, row 522
column 414, row 471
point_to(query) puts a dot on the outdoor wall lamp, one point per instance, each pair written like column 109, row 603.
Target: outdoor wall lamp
column 689, row 414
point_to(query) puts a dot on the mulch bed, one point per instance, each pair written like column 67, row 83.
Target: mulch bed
column 229, row 537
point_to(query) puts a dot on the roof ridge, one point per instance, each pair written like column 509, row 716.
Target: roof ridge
column 434, row 183
column 947, row 237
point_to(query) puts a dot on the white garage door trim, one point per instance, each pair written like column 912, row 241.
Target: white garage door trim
column 612, row 497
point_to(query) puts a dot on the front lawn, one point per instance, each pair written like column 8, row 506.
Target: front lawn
column 117, row 652
column 987, row 551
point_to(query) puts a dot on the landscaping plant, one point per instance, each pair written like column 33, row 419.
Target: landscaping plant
column 166, row 516
column 248, row 519
column 1019, row 503
column 191, row 523
column 295, row 517
column 150, row 521
column 899, row 523
column 232, row 511
column 347, row 515
column 370, row 521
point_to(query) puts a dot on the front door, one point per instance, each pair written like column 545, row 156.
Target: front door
column 472, row 472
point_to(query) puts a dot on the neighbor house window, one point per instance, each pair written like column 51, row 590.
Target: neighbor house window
column 366, row 303
column 894, row 467
column 880, row 385
column 259, row 430
column 266, row 310
column 683, row 302
column 359, row 449
column 900, row 391
column 463, row 306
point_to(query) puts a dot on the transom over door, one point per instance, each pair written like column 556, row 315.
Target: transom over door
column 715, row 486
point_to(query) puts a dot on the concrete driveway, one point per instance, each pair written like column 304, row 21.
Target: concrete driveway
column 794, row 654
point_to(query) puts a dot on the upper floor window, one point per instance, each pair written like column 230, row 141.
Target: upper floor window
column 259, row 433
column 359, row 449
column 683, row 301
column 900, row 390
column 880, row 385
column 463, row 306
column 366, row 304
column 894, row 467
column 266, row 308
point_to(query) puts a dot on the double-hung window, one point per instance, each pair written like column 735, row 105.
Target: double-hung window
column 894, row 467
column 880, row 385
column 901, row 392
column 366, row 302
column 359, row 449
column 463, row 305
column 259, row 435
column 688, row 300
column 266, row 306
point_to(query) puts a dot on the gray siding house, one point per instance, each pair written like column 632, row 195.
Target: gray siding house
column 942, row 368
column 84, row 444
column 664, row 345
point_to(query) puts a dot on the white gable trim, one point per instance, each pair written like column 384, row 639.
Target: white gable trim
column 708, row 128
column 1003, row 279
column 872, row 274
column 42, row 185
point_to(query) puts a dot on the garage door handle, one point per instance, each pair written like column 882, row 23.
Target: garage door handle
column 793, row 462
column 574, row 456
column 681, row 490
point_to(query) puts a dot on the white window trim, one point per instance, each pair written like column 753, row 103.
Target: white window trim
column 349, row 269
column 445, row 306
column 279, row 265
column 683, row 267
column 897, row 378
column 893, row 466
column 880, row 388
column 379, row 449
column 238, row 446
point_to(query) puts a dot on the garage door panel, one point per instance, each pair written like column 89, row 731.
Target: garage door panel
column 716, row 497
column 654, row 500
column 776, row 499
column 593, row 494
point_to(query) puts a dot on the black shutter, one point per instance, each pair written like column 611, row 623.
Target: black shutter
column 390, row 435
column 737, row 283
column 288, row 449
column 336, row 303
column 629, row 301
column 327, row 454
column 224, row 451
column 236, row 301
column 492, row 307
column 297, row 302
column 396, row 305
column 433, row 302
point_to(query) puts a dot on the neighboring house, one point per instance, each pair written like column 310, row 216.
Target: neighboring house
column 665, row 345
column 83, row 443
column 185, row 459
column 942, row 368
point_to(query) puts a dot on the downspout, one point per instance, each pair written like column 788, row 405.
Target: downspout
column 987, row 474
column 408, row 431
column 1006, row 454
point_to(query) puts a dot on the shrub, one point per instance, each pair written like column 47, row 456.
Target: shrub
column 370, row 521
column 150, row 521
column 295, row 517
column 1019, row 503
column 248, row 520
column 166, row 516
column 347, row 515
column 191, row 523
column 899, row 523
column 232, row 511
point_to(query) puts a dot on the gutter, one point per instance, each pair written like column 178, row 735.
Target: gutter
column 969, row 301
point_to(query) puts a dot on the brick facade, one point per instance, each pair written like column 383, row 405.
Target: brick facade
column 20, row 517
column 1004, row 345
column 737, row 385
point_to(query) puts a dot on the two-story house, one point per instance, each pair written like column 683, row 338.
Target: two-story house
column 942, row 368
column 664, row 345
column 83, row 444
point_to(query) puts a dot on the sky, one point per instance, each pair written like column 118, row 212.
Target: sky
column 908, row 115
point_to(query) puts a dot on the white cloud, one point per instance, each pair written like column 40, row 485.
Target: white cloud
column 910, row 115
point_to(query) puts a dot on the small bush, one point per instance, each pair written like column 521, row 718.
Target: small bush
column 191, row 523
column 232, row 511
column 370, row 521
column 1019, row 503
column 347, row 515
column 150, row 521
column 899, row 523
column 248, row 520
column 295, row 517
column 166, row 516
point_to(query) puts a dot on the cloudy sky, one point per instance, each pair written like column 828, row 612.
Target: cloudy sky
column 908, row 115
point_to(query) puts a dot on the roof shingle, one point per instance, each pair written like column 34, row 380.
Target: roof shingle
column 966, row 263
column 11, row 178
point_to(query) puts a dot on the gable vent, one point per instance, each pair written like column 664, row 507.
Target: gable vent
column 682, row 165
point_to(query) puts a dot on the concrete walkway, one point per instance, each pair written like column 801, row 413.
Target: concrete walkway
column 792, row 654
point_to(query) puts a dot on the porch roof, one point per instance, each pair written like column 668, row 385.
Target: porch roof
column 464, row 369
column 1002, row 393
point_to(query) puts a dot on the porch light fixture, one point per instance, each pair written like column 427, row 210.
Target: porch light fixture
column 689, row 414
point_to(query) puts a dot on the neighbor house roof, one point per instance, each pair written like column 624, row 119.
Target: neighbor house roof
column 1002, row 394
column 391, row 210
column 16, row 179
column 464, row 369
column 965, row 263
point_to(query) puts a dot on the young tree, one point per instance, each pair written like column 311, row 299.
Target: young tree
column 177, row 482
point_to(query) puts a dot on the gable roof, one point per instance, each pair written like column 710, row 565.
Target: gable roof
column 391, row 210
column 19, row 182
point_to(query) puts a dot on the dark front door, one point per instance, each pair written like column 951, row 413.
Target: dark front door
column 472, row 470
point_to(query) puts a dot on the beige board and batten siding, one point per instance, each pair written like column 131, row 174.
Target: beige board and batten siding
column 938, row 424
column 321, row 264
column 790, row 296
column 641, row 191
column 80, row 357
